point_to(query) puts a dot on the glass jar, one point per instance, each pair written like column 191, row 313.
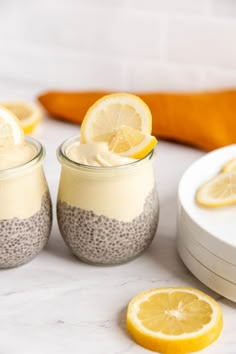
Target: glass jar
column 25, row 210
column 106, row 215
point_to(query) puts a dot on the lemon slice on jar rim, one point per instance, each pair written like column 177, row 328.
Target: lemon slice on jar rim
column 132, row 143
column 28, row 113
column 11, row 132
column 122, row 120
column 174, row 320
column 111, row 112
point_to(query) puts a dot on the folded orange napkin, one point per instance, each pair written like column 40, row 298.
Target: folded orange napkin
column 205, row 120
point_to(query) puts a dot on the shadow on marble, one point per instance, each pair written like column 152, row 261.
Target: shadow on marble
column 121, row 321
column 164, row 254
column 229, row 303
column 57, row 248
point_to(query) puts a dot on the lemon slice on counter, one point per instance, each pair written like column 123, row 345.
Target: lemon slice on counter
column 174, row 320
column 229, row 166
column 113, row 111
column 28, row 113
column 132, row 143
column 11, row 132
column 218, row 191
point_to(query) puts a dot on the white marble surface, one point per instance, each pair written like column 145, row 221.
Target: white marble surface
column 57, row 304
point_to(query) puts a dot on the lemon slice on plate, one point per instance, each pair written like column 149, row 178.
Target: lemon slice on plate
column 11, row 132
column 131, row 143
column 229, row 166
column 111, row 112
column 218, row 191
column 28, row 113
column 174, row 320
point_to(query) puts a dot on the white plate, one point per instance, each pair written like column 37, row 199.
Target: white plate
column 206, row 276
column 219, row 266
column 213, row 228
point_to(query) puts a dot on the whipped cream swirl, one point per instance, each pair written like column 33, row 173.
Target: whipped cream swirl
column 16, row 155
column 95, row 154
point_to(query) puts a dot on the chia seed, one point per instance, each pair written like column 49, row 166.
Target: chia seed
column 101, row 240
column 22, row 239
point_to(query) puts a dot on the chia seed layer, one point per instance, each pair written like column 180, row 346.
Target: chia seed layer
column 101, row 240
column 22, row 239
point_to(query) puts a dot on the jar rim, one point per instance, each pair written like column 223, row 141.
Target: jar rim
column 62, row 156
column 40, row 153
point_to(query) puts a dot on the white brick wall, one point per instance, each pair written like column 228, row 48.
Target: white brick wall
column 205, row 42
column 137, row 45
column 224, row 8
column 150, row 76
column 171, row 6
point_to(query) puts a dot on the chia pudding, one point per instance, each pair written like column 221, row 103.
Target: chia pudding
column 107, row 205
column 22, row 239
column 101, row 240
column 25, row 204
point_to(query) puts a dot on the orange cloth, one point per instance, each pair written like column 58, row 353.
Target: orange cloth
column 206, row 120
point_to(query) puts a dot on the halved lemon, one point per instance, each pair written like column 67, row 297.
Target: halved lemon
column 28, row 113
column 174, row 320
column 131, row 143
column 113, row 111
column 218, row 191
column 229, row 166
column 11, row 132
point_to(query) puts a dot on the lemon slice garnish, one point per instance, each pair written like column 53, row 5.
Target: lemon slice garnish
column 229, row 166
column 174, row 320
column 28, row 113
column 132, row 143
column 11, row 132
column 110, row 113
column 218, row 191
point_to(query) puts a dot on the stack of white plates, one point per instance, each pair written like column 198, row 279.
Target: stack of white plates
column 206, row 237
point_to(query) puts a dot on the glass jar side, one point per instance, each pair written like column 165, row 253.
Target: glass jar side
column 25, row 212
column 107, row 215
